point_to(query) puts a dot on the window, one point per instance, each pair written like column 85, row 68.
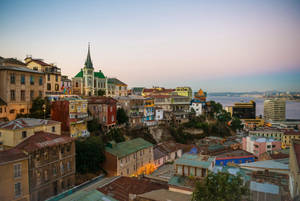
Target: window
column 41, row 80
column 46, row 175
column 12, row 111
column 31, row 80
column 62, row 168
column 69, row 165
column 12, row 78
column 31, row 94
column 54, row 171
column 62, row 150
column 48, row 86
column 48, row 76
column 22, row 110
column 56, row 87
column 24, row 134
column 76, row 84
column 17, row 170
column 56, row 78
column 12, row 95
column 22, row 95
column 22, row 79
column 111, row 108
column 17, row 189
column 112, row 118
column 53, row 129
column 0, row 109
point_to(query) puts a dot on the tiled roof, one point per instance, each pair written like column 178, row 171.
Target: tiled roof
column 39, row 61
column 101, row 100
column 11, row 155
column 25, row 123
column 123, row 186
column 80, row 74
column 18, row 68
column 195, row 160
column 99, row 74
column 42, row 139
column 115, row 81
column 128, row 147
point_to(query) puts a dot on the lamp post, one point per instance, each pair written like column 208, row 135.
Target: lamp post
column 44, row 110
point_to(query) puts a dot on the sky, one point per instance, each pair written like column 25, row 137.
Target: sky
column 216, row 45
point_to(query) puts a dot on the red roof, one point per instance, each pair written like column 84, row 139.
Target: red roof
column 101, row 100
column 123, row 186
column 11, row 155
column 42, row 139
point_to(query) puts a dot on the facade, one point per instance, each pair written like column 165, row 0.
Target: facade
column 288, row 136
column 268, row 133
column 125, row 158
column 104, row 109
column 253, row 123
column 157, row 91
column 72, row 112
column 18, row 87
column 14, row 182
column 197, row 106
column 184, row 91
column 116, row 87
column 257, row 146
column 51, row 165
column 167, row 152
column 134, row 107
column 274, row 110
column 159, row 114
column 66, row 85
column 16, row 131
column 51, row 72
column 243, row 110
column 294, row 165
column 149, row 112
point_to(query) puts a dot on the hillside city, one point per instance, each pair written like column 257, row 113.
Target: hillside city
column 91, row 137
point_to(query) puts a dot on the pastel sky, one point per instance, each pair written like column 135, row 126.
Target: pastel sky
column 218, row 45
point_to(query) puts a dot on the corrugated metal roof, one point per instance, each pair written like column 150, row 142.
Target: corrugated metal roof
column 267, row 164
column 195, row 160
column 17, row 68
column 264, row 187
column 92, row 195
column 25, row 123
column 128, row 147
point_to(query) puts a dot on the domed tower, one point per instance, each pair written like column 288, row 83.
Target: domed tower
column 88, row 75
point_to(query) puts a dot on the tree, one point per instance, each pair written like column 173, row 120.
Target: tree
column 224, row 116
column 38, row 106
column 100, row 92
column 116, row 135
column 122, row 116
column 89, row 154
column 93, row 126
column 236, row 124
column 220, row 187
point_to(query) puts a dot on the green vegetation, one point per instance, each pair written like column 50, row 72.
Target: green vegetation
column 94, row 127
column 100, row 92
column 115, row 134
column 40, row 109
column 89, row 154
column 122, row 117
column 220, row 187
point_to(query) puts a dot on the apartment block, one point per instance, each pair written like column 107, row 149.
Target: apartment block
column 274, row 110
column 257, row 146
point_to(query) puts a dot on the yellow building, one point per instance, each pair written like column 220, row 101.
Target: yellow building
column 14, row 182
column 288, row 136
column 18, row 87
column 184, row 91
column 52, row 74
column 251, row 123
column 16, row 131
column 72, row 113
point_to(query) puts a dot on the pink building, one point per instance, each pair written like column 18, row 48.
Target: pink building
column 257, row 146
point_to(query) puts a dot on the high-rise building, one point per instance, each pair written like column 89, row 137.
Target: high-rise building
column 244, row 110
column 274, row 110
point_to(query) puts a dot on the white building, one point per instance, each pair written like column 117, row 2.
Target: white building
column 197, row 106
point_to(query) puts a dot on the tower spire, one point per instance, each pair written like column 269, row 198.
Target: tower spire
column 88, row 62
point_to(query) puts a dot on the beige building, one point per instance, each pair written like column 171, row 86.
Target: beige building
column 274, row 110
column 51, row 72
column 294, row 165
column 125, row 158
column 288, row 136
column 18, row 87
column 14, row 182
column 16, row 131
column 116, row 88
column 51, row 164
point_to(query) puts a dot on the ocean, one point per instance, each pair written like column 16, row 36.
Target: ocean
column 292, row 107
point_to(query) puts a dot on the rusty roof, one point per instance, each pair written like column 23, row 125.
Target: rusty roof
column 101, row 100
column 42, row 139
column 123, row 186
column 25, row 123
column 11, row 155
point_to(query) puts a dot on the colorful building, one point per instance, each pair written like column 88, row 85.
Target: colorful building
column 184, row 91
column 234, row 156
column 104, row 110
column 258, row 146
column 116, row 87
column 66, row 85
column 14, row 182
column 200, row 95
column 288, row 136
column 125, row 158
column 72, row 112
column 197, row 106
column 52, row 74
column 16, row 131
column 149, row 112
column 18, row 87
